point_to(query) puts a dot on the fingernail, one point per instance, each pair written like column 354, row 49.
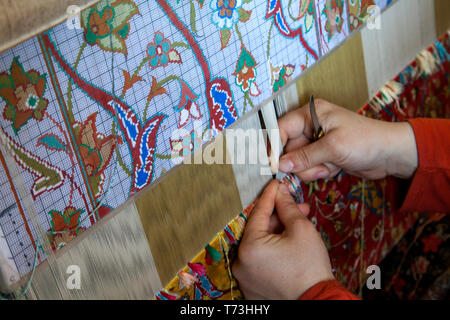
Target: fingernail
column 286, row 165
column 304, row 209
column 322, row 174
column 283, row 188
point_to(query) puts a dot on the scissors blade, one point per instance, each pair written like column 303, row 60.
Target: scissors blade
column 314, row 118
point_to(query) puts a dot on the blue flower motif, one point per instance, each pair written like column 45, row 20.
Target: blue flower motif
column 160, row 52
column 225, row 13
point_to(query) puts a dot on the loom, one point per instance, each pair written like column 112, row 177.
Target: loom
column 76, row 187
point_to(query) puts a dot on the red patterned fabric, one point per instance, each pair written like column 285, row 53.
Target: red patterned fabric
column 361, row 220
column 429, row 190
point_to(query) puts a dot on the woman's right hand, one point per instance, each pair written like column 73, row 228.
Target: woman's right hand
column 358, row 145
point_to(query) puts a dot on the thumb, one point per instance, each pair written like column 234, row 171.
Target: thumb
column 287, row 209
column 306, row 157
column 259, row 221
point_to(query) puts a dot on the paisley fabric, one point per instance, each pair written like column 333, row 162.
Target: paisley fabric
column 358, row 219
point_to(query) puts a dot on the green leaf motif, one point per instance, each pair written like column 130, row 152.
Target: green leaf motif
column 5, row 81
column 95, row 182
column 246, row 59
column 123, row 33
column 225, row 35
column 47, row 178
column 193, row 20
column 10, row 112
column 118, row 44
column 51, row 142
column 213, row 253
column 309, row 20
column 122, row 13
column 244, row 15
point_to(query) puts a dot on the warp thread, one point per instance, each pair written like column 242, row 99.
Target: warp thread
column 425, row 64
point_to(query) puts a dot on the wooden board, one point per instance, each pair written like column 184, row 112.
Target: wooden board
column 442, row 13
column 183, row 212
column 23, row 19
column 339, row 78
column 114, row 259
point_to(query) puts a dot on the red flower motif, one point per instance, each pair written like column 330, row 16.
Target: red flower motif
column 96, row 149
column 23, row 93
column 188, row 107
column 64, row 226
column 431, row 243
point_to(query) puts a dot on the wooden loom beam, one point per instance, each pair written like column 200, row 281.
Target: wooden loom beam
column 25, row 19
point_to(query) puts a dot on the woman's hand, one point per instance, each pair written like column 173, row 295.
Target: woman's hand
column 281, row 255
column 358, row 145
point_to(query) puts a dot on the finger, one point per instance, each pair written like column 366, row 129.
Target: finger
column 304, row 209
column 275, row 226
column 295, row 124
column 287, row 210
column 318, row 172
column 296, row 143
column 334, row 170
column 306, row 157
column 259, row 220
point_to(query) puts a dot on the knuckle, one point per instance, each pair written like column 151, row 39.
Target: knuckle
column 323, row 107
column 302, row 158
column 306, row 227
column 320, row 102
column 290, row 206
column 332, row 144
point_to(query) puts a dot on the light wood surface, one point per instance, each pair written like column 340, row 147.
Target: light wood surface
column 114, row 259
column 183, row 212
column 339, row 78
column 23, row 19
column 442, row 13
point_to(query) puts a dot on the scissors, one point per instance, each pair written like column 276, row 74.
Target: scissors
column 317, row 134
column 318, row 131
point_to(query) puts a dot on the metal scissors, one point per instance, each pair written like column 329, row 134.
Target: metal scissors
column 318, row 131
